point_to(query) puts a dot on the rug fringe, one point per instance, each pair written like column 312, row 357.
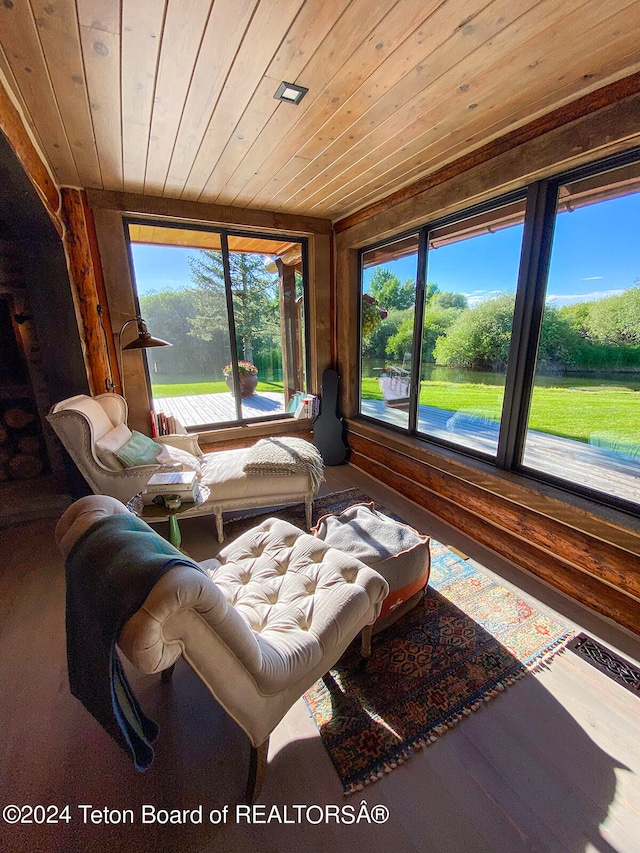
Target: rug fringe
column 425, row 739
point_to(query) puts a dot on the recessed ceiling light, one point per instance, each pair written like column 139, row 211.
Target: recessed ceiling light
column 290, row 92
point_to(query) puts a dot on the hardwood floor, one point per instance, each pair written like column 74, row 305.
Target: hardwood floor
column 552, row 765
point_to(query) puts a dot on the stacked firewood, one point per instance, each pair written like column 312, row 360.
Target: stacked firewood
column 21, row 447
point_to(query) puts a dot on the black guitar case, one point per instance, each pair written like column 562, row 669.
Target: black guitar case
column 328, row 431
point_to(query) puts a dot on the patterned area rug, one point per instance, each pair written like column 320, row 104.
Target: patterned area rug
column 237, row 522
column 466, row 641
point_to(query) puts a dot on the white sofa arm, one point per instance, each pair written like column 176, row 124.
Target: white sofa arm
column 188, row 442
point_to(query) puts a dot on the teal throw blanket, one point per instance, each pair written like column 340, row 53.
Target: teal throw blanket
column 110, row 571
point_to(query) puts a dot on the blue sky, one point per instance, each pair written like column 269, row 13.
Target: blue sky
column 596, row 254
column 161, row 267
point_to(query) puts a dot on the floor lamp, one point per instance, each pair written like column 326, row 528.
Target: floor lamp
column 144, row 341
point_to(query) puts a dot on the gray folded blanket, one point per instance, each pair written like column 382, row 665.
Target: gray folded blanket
column 285, row 456
column 110, row 571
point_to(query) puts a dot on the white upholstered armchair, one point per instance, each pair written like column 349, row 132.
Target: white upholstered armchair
column 89, row 428
column 264, row 620
column 81, row 422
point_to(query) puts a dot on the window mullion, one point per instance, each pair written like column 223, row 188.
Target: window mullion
column 418, row 322
column 224, row 245
column 527, row 321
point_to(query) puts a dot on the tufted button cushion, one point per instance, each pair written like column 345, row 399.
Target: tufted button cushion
column 298, row 594
column 259, row 625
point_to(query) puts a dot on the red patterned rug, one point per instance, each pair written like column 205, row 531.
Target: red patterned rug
column 461, row 646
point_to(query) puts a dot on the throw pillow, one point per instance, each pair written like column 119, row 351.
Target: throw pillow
column 395, row 550
column 139, row 450
column 172, row 455
column 107, row 446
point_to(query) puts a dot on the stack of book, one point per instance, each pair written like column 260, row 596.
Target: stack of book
column 308, row 407
column 162, row 424
column 182, row 483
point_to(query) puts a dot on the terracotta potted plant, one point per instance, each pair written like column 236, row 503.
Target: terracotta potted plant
column 248, row 377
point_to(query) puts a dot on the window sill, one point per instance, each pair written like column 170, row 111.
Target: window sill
column 248, row 433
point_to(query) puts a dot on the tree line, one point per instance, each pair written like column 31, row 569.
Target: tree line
column 195, row 319
column 602, row 334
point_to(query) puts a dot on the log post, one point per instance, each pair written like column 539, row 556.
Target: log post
column 85, row 273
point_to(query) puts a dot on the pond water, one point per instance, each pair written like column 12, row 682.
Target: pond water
column 580, row 379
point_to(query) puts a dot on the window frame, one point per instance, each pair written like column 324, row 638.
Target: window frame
column 537, row 243
column 225, row 233
column 412, row 232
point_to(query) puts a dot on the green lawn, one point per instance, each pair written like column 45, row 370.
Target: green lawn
column 187, row 389
column 570, row 412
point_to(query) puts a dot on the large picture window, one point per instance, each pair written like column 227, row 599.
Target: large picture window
column 584, row 418
column 472, row 273
column 526, row 323
column 388, row 303
column 232, row 306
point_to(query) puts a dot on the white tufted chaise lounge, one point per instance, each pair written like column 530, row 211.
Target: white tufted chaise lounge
column 81, row 422
column 272, row 614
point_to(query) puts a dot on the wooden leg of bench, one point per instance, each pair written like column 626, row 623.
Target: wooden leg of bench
column 166, row 674
column 308, row 511
column 365, row 641
column 257, row 767
column 219, row 525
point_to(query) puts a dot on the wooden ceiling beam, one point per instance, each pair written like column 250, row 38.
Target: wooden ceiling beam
column 13, row 128
column 194, row 211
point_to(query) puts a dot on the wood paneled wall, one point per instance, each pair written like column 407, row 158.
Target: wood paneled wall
column 589, row 553
column 585, row 557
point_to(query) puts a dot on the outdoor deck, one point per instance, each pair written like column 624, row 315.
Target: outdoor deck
column 201, row 409
column 589, row 466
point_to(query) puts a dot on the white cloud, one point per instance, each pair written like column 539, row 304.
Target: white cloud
column 564, row 299
column 592, row 278
column 475, row 297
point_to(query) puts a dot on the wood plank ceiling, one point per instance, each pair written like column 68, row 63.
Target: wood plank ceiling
column 175, row 98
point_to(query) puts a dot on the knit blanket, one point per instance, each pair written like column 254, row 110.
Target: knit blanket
column 285, row 456
column 110, row 571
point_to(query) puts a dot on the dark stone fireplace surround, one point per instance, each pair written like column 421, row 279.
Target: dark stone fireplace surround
column 34, row 285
